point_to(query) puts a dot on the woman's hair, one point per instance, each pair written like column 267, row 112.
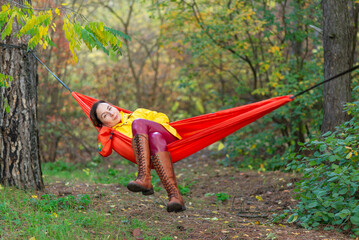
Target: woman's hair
column 93, row 114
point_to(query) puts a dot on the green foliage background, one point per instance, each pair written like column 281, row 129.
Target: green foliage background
column 328, row 192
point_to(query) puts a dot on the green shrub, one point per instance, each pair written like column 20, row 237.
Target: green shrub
column 222, row 197
column 328, row 192
column 185, row 188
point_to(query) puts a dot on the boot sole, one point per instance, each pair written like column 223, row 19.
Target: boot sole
column 175, row 207
column 133, row 187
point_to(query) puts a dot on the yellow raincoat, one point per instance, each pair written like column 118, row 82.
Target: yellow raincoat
column 124, row 126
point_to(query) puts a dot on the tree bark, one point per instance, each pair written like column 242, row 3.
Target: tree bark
column 19, row 140
column 339, row 36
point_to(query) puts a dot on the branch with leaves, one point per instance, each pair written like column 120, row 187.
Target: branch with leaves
column 38, row 24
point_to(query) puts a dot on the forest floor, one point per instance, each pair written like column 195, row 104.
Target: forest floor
column 246, row 214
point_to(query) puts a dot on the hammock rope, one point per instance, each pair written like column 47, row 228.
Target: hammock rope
column 53, row 74
column 328, row 80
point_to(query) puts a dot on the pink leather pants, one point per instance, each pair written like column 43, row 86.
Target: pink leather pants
column 158, row 136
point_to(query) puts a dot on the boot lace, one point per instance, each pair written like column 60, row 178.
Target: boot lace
column 140, row 155
column 168, row 185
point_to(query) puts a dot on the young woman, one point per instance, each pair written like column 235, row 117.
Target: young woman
column 150, row 132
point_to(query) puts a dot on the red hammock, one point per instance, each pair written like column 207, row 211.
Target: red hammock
column 197, row 132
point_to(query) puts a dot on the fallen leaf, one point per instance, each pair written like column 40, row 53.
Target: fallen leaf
column 259, row 198
column 220, row 146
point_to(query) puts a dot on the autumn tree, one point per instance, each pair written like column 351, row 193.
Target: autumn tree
column 23, row 28
column 19, row 142
column 246, row 51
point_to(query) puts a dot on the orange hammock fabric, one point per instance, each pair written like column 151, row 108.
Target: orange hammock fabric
column 197, row 132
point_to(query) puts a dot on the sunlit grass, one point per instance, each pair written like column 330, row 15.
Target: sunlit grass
column 92, row 172
column 27, row 214
column 21, row 219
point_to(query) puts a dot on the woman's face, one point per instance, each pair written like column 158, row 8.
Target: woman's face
column 108, row 115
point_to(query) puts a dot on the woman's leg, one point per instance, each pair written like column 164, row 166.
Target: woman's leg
column 141, row 149
column 158, row 138
column 162, row 163
column 141, row 128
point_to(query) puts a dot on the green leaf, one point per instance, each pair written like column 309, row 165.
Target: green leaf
column 292, row 218
column 327, row 134
column 343, row 191
column 118, row 33
column 355, row 220
column 334, row 166
column 322, row 148
column 332, row 158
column 312, row 163
column 312, row 204
column 344, row 213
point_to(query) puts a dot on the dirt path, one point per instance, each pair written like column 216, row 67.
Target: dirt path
column 245, row 215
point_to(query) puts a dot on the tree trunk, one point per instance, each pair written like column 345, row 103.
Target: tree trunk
column 339, row 36
column 19, row 141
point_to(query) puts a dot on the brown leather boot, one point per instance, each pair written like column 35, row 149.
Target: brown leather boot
column 163, row 165
column 141, row 149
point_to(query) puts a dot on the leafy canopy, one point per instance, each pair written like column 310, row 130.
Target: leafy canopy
column 39, row 24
